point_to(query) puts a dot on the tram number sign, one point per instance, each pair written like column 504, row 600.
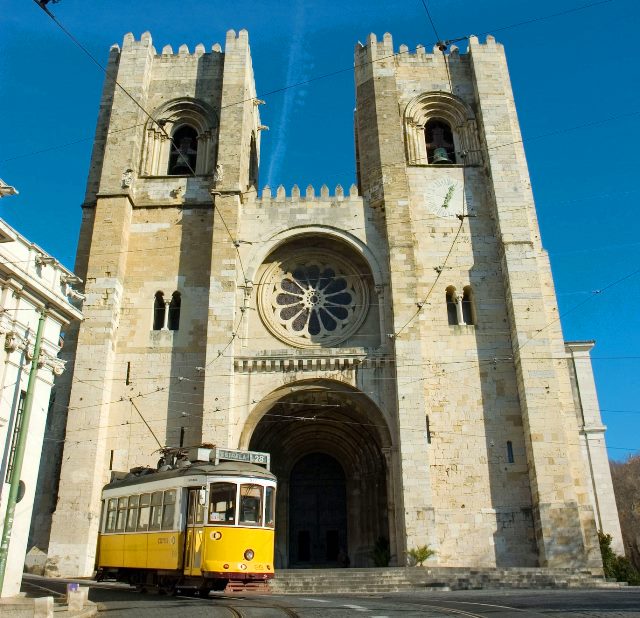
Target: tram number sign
column 244, row 456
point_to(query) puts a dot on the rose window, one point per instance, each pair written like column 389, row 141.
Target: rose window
column 313, row 300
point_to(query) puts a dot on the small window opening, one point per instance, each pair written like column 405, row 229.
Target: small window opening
column 253, row 163
column 184, row 151
column 452, row 312
column 440, row 145
column 428, row 430
column 158, row 311
column 467, row 306
column 174, row 311
column 510, row 458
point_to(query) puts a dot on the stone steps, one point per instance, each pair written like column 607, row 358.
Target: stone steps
column 397, row 579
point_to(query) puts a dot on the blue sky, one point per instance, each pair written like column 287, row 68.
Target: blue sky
column 576, row 84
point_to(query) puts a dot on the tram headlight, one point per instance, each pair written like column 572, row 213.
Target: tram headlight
column 249, row 554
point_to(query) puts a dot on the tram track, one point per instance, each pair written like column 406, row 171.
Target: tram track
column 451, row 610
column 493, row 610
column 238, row 611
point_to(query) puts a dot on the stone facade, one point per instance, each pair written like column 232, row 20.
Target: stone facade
column 395, row 345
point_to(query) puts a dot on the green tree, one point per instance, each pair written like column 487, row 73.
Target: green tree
column 626, row 485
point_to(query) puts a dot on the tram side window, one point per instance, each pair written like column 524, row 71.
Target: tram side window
column 143, row 515
column 250, row 505
column 132, row 515
column 156, row 510
column 112, row 509
column 122, row 514
column 270, row 507
column 222, row 500
column 168, row 510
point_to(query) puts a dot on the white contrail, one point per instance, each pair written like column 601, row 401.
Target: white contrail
column 296, row 72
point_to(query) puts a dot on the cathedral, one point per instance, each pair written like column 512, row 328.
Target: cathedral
column 394, row 345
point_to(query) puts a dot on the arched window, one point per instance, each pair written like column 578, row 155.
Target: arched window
column 181, row 134
column 467, row 306
column 184, row 152
column 174, row 311
column 158, row 311
column 439, row 140
column 452, row 312
column 440, row 128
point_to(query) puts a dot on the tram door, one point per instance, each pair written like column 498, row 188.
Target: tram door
column 194, row 532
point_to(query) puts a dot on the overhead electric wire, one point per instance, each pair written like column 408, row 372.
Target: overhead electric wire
column 545, row 17
column 442, row 46
column 578, row 305
column 440, row 267
column 318, row 77
column 307, row 81
column 67, row 144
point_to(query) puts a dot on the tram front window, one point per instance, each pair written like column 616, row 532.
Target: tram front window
column 222, row 500
column 250, row 505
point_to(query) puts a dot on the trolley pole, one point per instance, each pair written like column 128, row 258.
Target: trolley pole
column 19, row 452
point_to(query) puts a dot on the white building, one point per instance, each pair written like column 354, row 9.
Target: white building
column 30, row 280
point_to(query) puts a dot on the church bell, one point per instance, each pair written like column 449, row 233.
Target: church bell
column 440, row 156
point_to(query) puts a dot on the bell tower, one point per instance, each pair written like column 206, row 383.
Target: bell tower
column 442, row 167
column 176, row 150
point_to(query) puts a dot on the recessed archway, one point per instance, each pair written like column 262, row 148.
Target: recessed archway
column 335, row 433
column 318, row 512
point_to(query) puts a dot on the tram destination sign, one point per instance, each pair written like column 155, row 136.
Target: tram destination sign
column 254, row 457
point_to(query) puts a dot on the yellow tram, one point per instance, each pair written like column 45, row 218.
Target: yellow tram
column 203, row 519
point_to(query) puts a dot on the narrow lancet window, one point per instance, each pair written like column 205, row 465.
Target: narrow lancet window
column 174, row 311
column 452, row 312
column 158, row 311
column 467, row 306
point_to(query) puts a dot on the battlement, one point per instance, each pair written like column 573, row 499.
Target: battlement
column 268, row 198
column 232, row 41
column 375, row 50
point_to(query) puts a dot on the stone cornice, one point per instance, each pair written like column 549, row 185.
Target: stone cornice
column 315, row 363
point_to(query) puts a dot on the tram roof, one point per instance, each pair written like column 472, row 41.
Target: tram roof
column 228, row 468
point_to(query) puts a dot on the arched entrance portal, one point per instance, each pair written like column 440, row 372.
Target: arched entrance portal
column 318, row 512
column 327, row 443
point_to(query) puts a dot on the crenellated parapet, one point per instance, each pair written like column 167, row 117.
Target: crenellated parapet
column 269, row 197
column 383, row 49
column 233, row 40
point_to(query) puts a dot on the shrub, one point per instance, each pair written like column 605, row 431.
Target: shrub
column 616, row 567
column 420, row 554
